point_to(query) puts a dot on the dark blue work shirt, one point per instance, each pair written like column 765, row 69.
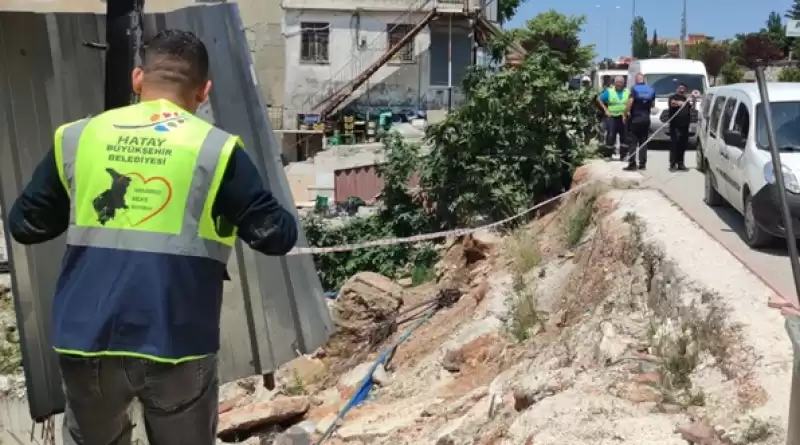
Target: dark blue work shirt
column 643, row 97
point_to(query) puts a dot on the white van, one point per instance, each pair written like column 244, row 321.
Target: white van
column 664, row 75
column 736, row 156
column 605, row 78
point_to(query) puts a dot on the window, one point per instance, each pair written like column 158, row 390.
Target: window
column 314, row 42
column 665, row 85
column 786, row 120
column 707, row 105
column 727, row 114
column 396, row 33
column 741, row 121
column 716, row 112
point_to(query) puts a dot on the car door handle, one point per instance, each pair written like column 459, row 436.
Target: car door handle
column 724, row 154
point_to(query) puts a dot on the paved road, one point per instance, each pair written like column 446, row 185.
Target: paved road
column 723, row 223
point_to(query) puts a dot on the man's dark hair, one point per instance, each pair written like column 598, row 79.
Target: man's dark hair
column 177, row 58
column 683, row 85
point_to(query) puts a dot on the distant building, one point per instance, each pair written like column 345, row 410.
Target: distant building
column 674, row 45
column 335, row 46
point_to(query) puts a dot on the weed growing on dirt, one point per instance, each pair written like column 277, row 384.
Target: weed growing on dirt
column 523, row 248
column 524, row 315
column 297, row 387
column 580, row 217
column 422, row 273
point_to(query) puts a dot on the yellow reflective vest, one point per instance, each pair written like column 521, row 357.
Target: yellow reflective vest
column 144, row 178
column 617, row 104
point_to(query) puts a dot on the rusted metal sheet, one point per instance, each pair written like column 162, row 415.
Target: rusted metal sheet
column 362, row 181
column 273, row 308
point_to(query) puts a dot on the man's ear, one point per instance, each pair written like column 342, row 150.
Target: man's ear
column 137, row 78
column 203, row 92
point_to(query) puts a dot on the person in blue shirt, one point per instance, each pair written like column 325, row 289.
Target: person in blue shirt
column 613, row 101
column 640, row 103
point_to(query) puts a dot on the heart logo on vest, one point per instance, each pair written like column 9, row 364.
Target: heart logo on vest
column 147, row 195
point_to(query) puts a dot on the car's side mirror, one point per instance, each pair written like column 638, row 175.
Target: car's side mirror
column 734, row 139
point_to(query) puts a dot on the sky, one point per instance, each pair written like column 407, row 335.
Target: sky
column 608, row 21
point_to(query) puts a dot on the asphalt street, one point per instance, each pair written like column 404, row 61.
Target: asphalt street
column 723, row 223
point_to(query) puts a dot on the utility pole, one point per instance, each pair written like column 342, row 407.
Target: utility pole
column 124, row 49
column 450, row 62
column 683, row 31
column 633, row 19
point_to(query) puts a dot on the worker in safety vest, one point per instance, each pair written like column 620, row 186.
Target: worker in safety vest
column 152, row 199
column 614, row 102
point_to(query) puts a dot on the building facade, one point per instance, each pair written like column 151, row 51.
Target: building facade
column 330, row 43
column 674, row 45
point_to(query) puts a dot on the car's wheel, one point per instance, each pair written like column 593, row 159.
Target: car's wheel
column 712, row 196
column 700, row 164
column 754, row 235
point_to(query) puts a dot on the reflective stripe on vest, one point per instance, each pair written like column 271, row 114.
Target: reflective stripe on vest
column 617, row 104
column 188, row 241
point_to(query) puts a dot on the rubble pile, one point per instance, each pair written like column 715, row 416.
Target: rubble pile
column 617, row 347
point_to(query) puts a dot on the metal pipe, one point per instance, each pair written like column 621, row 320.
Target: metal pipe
column 793, row 433
column 683, row 31
column 793, row 430
column 450, row 62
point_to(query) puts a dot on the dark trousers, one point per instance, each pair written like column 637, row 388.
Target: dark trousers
column 639, row 132
column 679, row 134
column 615, row 126
column 180, row 402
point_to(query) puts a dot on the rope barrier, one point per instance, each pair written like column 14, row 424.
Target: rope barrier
column 465, row 231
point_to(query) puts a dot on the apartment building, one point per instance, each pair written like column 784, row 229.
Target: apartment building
column 331, row 44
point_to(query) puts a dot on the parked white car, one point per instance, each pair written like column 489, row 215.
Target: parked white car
column 664, row 76
column 736, row 160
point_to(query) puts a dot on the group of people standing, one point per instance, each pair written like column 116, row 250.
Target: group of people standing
column 627, row 116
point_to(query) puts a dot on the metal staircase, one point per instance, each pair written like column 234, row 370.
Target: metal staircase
column 350, row 77
column 330, row 104
column 364, row 55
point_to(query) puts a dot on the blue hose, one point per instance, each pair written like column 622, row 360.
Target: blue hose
column 366, row 385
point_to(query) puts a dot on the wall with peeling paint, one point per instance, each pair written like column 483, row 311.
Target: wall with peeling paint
column 357, row 40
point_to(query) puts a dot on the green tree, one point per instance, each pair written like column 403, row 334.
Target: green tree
column 641, row 46
column 775, row 31
column 715, row 59
column 789, row 74
column 657, row 48
column 731, row 73
column 519, row 135
column 507, row 8
column 793, row 12
column 698, row 50
column 755, row 48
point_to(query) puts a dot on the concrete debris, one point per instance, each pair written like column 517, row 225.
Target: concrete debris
column 699, row 433
column 260, row 415
column 365, row 300
column 295, row 435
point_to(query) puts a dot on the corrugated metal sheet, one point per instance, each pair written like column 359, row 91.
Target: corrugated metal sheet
column 362, row 181
column 273, row 308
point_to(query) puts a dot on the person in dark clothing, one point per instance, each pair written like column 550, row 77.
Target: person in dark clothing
column 137, row 308
column 639, row 105
column 679, row 128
